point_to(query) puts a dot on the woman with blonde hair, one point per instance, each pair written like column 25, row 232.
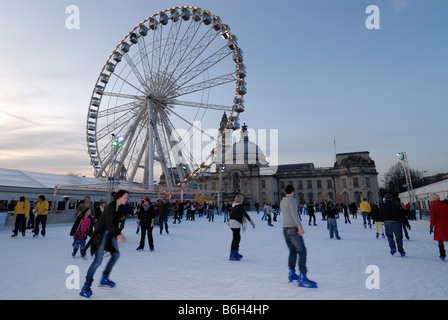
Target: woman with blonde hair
column 238, row 217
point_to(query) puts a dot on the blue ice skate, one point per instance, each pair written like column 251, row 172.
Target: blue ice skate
column 305, row 282
column 86, row 291
column 292, row 276
column 106, row 283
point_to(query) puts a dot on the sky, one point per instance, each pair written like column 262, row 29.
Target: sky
column 315, row 72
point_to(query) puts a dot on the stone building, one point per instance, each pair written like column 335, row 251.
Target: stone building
column 247, row 171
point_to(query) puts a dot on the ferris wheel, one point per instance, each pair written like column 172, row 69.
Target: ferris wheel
column 166, row 83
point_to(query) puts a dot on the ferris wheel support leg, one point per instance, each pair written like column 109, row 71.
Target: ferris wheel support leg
column 149, row 168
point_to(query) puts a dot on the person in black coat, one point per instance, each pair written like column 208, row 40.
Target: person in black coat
column 163, row 218
column 146, row 215
column 236, row 222
column 105, row 237
column 391, row 214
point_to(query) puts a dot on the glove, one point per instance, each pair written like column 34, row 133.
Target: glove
column 430, row 231
column 252, row 224
column 138, row 229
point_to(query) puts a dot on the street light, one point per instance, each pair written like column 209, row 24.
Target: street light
column 407, row 173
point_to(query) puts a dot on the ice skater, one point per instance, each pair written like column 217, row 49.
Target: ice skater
column 146, row 216
column 391, row 215
column 332, row 212
column 81, row 229
column 293, row 231
column 439, row 223
column 106, row 236
column 21, row 211
column 238, row 215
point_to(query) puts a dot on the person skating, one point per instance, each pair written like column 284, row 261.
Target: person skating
column 376, row 217
column 105, row 238
column 81, row 229
column 439, row 223
column 332, row 212
column 146, row 215
column 311, row 214
column 293, row 232
column 21, row 211
column 365, row 210
column 42, row 208
column 391, row 215
column 238, row 215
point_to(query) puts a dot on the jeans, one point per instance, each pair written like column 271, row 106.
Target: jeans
column 99, row 258
column 394, row 228
column 296, row 247
column 366, row 216
column 333, row 227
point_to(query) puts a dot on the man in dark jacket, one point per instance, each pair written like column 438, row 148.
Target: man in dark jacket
column 163, row 218
column 391, row 215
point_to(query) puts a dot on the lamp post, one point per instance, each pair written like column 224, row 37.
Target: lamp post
column 407, row 173
column 117, row 142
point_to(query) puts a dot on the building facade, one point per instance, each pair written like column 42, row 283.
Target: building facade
column 352, row 178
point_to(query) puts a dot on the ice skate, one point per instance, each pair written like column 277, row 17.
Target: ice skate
column 106, row 283
column 86, row 290
column 292, row 276
column 303, row 281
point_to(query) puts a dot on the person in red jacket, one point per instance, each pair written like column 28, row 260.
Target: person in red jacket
column 439, row 222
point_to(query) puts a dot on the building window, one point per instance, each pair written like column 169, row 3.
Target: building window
column 236, row 181
column 263, row 184
column 300, row 186
column 355, row 182
column 282, row 185
column 367, row 182
column 329, row 184
column 309, row 184
column 344, row 183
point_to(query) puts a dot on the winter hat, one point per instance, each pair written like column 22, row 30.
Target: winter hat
column 147, row 199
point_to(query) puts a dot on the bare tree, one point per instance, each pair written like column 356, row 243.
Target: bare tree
column 395, row 179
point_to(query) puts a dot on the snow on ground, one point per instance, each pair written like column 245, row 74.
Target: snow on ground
column 192, row 263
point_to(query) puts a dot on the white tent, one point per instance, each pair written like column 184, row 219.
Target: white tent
column 422, row 194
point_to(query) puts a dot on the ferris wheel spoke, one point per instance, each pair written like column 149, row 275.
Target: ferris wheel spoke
column 128, row 83
column 192, row 125
column 183, row 43
column 191, row 56
column 124, row 96
column 136, row 71
column 201, row 86
column 195, row 51
column 194, row 70
column 181, row 51
column 201, row 105
column 182, row 152
column 126, row 107
column 144, row 59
